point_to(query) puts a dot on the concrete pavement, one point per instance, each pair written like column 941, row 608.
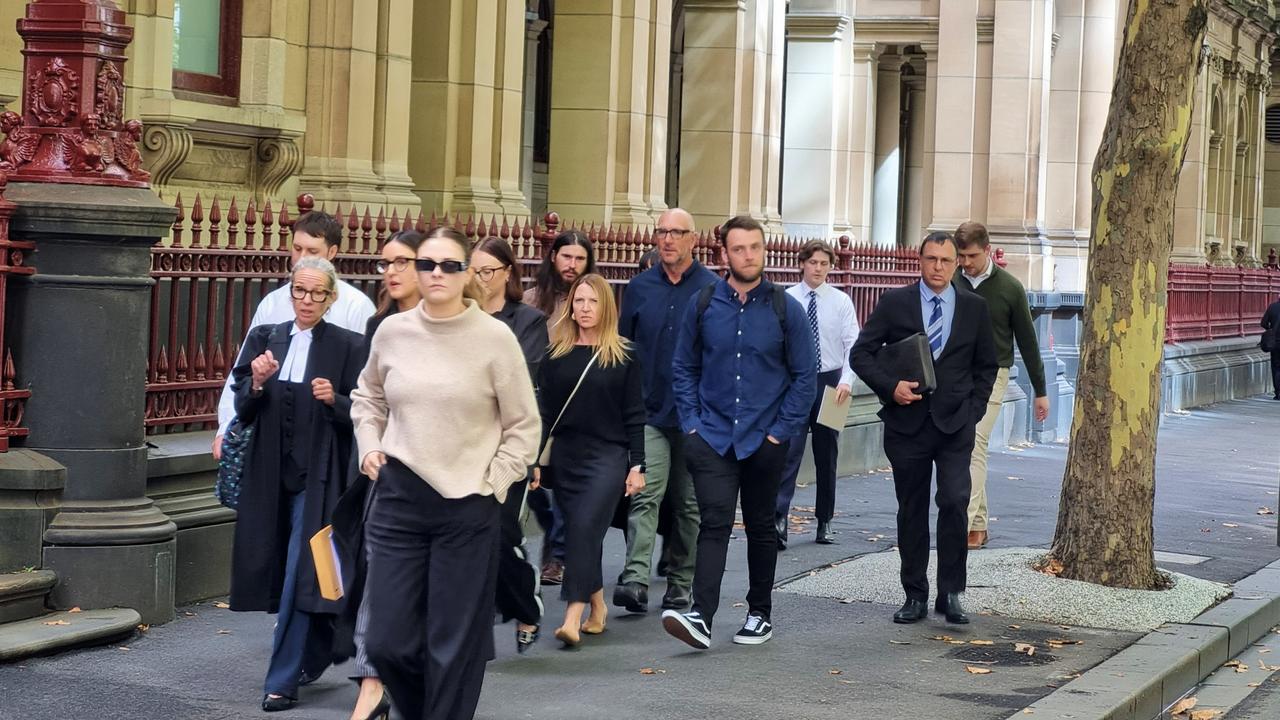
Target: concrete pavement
column 1218, row 467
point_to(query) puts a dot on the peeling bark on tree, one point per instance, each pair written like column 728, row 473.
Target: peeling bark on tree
column 1104, row 532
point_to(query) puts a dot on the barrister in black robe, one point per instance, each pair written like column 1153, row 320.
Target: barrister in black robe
column 295, row 473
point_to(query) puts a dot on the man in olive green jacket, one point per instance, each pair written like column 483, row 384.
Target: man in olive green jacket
column 1010, row 321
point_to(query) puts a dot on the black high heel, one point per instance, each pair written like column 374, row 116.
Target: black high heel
column 277, row 703
column 526, row 638
column 381, row 711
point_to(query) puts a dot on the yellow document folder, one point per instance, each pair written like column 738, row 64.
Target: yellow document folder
column 328, row 566
column 833, row 413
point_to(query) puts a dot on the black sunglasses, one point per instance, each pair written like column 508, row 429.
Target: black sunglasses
column 448, row 267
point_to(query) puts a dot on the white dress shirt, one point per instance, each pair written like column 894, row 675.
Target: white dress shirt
column 351, row 310
column 976, row 281
column 837, row 327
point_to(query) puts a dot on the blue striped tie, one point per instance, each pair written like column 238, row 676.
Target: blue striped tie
column 935, row 328
column 813, row 326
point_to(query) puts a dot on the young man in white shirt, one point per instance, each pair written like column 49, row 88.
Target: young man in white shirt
column 315, row 234
column 833, row 325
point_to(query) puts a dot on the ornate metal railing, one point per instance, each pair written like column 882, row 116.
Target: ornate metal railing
column 223, row 258
column 12, row 262
column 1211, row 303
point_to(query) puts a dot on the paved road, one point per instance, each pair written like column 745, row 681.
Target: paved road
column 827, row 660
column 1263, row 704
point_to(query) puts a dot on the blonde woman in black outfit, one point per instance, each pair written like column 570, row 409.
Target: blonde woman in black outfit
column 598, row 450
column 519, row 596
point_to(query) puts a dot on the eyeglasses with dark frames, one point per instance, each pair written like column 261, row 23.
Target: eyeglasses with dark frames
column 673, row 232
column 400, row 264
column 486, row 274
column 320, row 296
column 448, row 267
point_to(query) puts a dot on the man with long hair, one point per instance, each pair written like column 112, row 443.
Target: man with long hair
column 744, row 380
column 570, row 257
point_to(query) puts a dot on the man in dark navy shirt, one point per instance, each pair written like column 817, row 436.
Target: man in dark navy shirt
column 652, row 308
column 743, row 377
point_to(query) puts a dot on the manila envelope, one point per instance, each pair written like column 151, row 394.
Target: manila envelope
column 328, row 566
column 832, row 413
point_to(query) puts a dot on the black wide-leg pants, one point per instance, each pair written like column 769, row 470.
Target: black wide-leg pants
column 432, row 573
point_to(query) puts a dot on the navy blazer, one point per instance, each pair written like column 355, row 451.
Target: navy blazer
column 965, row 371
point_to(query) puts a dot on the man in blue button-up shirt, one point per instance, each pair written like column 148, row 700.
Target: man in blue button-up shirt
column 652, row 308
column 744, row 380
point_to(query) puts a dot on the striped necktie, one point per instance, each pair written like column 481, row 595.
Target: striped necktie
column 935, row 328
column 813, row 327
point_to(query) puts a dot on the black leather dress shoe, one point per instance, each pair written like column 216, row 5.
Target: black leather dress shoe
column 632, row 596
column 949, row 605
column 781, row 526
column 277, row 703
column 676, row 598
column 825, row 536
column 912, row 611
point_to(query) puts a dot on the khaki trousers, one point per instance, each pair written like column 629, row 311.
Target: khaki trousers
column 978, row 462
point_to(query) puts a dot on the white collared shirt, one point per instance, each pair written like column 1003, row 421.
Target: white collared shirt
column 294, row 367
column 837, row 326
column 351, row 310
column 976, row 281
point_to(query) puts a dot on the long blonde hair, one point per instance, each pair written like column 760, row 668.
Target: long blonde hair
column 614, row 349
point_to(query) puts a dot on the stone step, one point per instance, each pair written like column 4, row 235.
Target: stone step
column 22, row 594
column 60, row 631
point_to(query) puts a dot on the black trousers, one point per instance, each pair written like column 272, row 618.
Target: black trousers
column 718, row 481
column 826, row 447
column 914, row 457
column 432, row 571
column 518, row 594
column 1275, row 373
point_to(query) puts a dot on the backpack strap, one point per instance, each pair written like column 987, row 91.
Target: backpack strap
column 704, row 302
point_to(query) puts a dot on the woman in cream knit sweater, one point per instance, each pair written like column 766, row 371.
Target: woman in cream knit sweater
column 446, row 420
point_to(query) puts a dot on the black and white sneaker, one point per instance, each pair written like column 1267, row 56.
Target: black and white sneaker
column 755, row 631
column 689, row 627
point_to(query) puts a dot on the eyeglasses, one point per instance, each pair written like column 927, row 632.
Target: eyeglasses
column 399, row 264
column 486, row 274
column 320, row 296
column 448, row 267
column 673, row 232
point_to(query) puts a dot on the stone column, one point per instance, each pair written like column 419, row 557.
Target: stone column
column 731, row 113
column 1190, row 207
column 609, row 103
column 79, row 326
column 1013, row 214
column 467, row 93
column 391, row 111
column 929, row 127
column 533, row 30
column 341, row 60
column 957, row 93
column 913, row 221
column 888, row 157
column 818, row 66
column 862, row 140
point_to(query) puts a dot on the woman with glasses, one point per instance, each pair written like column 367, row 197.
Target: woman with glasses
column 399, row 294
column 292, row 385
column 519, row 597
column 593, row 413
column 446, row 421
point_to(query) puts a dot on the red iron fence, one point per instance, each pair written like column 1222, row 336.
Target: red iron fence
column 12, row 262
column 222, row 259
column 1210, row 303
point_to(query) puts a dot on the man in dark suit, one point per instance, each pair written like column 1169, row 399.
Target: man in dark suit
column 1271, row 343
column 935, row 429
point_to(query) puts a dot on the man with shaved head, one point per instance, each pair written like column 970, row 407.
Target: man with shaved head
column 652, row 307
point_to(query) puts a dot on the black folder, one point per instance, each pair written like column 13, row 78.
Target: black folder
column 909, row 359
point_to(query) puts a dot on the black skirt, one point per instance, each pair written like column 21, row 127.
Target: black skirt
column 590, row 479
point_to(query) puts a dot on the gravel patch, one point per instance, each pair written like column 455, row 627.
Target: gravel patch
column 1001, row 582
